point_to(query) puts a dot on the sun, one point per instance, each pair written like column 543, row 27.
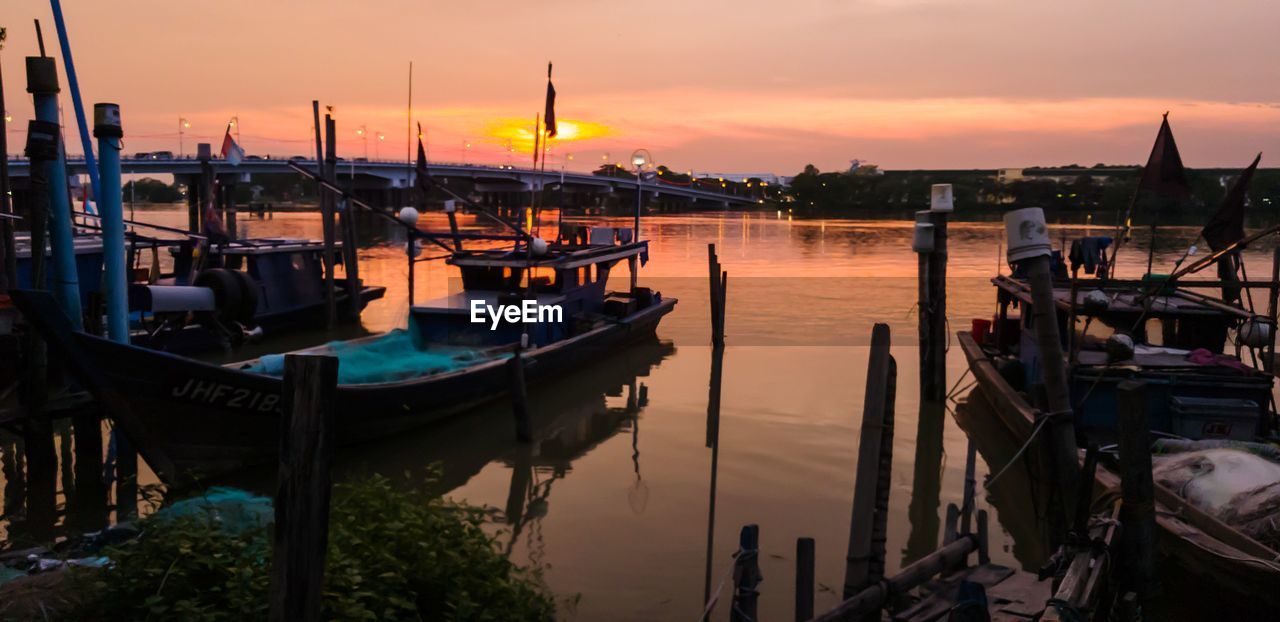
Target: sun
column 518, row 133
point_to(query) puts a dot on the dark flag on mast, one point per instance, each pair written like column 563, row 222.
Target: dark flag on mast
column 421, row 180
column 1226, row 226
column 549, row 117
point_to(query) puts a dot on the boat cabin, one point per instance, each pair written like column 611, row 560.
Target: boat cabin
column 562, row 290
column 1195, row 390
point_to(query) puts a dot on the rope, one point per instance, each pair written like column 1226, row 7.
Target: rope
column 1039, row 426
column 715, row 596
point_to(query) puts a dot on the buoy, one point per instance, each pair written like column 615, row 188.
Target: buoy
column 1254, row 333
column 1119, row 347
column 409, row 216
column 1096, row 302
column 538, row 246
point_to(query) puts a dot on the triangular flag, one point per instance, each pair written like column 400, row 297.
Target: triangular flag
column 1226, row 226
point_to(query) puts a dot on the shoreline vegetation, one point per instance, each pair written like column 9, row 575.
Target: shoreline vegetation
column 397, row 551
column 1066, row 193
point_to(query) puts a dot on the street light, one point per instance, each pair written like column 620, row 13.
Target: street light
column 377, row 152
column 466, row 150
column 639, row 158
column 364, row 134
column 235, row 122
column 183, row 124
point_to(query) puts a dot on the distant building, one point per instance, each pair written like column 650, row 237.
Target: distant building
column 1008, row 175
column 770, row 178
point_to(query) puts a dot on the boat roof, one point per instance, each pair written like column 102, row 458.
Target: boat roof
column 1172, row 301
column 559, row 256
column 265, row 246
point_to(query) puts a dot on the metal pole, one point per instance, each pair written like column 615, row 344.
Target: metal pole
column 90, row 164
column 107, row 128
column 42, row 83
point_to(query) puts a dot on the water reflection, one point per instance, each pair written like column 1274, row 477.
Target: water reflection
column 1016, row 493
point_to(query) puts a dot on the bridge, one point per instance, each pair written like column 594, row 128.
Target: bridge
column 382, row 181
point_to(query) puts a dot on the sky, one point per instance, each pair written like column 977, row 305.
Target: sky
column 704, row 85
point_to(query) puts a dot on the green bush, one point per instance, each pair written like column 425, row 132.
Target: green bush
column 395, row 553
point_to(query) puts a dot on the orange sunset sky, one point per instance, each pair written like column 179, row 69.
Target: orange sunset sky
column 708, row 85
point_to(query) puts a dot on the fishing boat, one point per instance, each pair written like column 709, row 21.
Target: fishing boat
column 192, row 420
column 1211, row 412
column 244, row 288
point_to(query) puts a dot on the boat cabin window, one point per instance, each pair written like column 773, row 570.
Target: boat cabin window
column 491, row 277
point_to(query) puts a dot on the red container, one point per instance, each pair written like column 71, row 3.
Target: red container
column 981, row 329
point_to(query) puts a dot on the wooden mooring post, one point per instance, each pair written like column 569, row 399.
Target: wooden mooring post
column 718, row 282
column 303, row 487
column 326, row 216
column 931, row 245
column 1138, row 512
column 746, row 576
column 519, row 396
column 864, row 562
column 805, row 563
column 1029, row 247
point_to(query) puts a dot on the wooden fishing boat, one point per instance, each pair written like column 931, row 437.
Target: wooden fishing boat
column 192, row 420
column 1198, row 541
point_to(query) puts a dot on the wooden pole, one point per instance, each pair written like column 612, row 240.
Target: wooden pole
column 303, row 487
column 519, row 397
column 325, row 213
column 1272, row 312
column 713, row 442
column 871, row 599
column 932, row 275
column 746, row 576
column 1062, row 436
column 126, row 477
column 859, row 560
column 804, row 579
column 1138, row 514
column 8, row 253
column 327, row 205
column 37, row 432
column 91, row 494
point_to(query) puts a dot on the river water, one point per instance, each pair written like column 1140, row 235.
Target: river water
column 614, row 500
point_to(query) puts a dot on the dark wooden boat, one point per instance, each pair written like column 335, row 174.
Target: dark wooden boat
column 1196, row 540
column 191, row 420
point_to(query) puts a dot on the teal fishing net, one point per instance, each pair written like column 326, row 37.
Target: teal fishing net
column 234, row 511
column 388, row 358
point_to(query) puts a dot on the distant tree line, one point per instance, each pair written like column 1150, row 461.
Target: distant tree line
column 271, row 188
column 1094, row 190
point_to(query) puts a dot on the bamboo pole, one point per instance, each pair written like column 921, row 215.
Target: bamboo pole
column 804, row 579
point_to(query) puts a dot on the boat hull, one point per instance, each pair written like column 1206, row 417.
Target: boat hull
column 192, row 420
column 1199, row 543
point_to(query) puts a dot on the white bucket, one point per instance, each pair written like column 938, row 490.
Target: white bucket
column 923, row 240
column 1027, row 234
column 941, row 198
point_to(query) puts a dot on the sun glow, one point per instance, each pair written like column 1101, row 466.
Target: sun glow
column 519, row 132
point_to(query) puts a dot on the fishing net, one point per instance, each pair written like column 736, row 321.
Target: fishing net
column 234, row 511
column 388, row 358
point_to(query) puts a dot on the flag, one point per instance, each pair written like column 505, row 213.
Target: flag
column 421, row 182
column 231, row 152
column 1164, row 175
column 1226, row 226
column 549, row 117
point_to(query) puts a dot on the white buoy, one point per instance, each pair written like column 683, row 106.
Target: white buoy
column 409, row 216
column 538, row 246
column 450, row 206
column 1254, row 333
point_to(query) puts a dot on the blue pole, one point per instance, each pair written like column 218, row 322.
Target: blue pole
column 74, row 85
column 107, row 128
column 42, row 83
